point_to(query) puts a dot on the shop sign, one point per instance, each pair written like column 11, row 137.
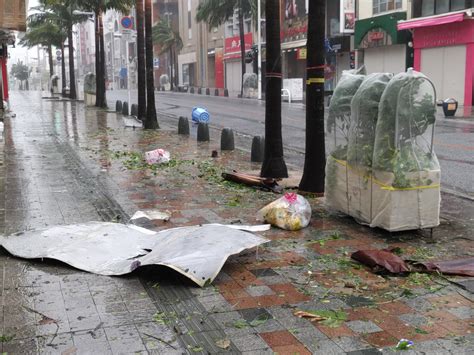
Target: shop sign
column 347, row 16
column 301, row 53
column 232, row 46
column 376, row 36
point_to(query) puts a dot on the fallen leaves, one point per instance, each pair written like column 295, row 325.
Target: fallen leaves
column 332, row 319
column 223, row 343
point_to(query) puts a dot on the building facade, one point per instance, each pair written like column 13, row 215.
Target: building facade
column 381, row 47
column 443, row 42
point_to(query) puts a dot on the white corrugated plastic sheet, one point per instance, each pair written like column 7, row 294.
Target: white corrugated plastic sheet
column 197, row 252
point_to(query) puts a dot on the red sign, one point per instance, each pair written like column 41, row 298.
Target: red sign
column 375, row 36
column 232, row 46
column 219, row 68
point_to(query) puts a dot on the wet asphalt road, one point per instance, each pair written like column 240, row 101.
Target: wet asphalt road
column 454, row 138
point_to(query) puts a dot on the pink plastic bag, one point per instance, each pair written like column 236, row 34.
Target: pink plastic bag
column 157, row 156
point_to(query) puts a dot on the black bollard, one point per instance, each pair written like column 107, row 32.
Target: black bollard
column 226, row 93
column 134, row 110
column 208, row 91
column 203, row 132
column 118, row 106
column 199, row 91
column 216, row 92
column 191, row 91
column 125, row 108
column 227, row 139
column 258, row 149
column 183, row 126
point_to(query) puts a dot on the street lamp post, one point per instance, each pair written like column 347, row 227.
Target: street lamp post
column 259, row 48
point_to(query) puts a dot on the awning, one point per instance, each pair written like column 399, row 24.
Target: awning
column 293, row 44
column 430, row 21
column 386, row 23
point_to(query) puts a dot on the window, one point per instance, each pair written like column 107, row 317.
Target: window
column 379, row 6
column 434, row 7
column 442, row 6
column 458, row 5
column 190, row 30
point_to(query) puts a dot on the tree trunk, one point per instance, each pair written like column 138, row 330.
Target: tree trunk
column 50, row 61
column 103, row 70
column 171, row 68
column 98, row 75
column 72, row 75
column 315, row 155
column 141, row 62
column 151, row 121
column 63, row 71
column 242, row 46
column 273, row 163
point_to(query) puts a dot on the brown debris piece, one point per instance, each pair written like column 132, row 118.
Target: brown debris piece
column 462, row 267
column 381, row 258
column 253, row 180
column 312, row 317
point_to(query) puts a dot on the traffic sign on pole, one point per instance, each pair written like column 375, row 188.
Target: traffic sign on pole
column 126, row 22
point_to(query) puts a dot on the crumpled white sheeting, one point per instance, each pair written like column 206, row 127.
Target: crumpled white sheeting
column 197, row 252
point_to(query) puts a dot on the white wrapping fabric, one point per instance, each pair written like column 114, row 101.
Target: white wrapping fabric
column 197, row 252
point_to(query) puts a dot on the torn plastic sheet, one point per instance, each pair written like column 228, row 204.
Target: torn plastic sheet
column 197, row 252
column 152, row 215
column 132, row 122
column 461, row 267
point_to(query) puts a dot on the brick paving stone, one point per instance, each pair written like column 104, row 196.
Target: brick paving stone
column 249, row 342
column 462, row 312
column 256, row 291
column 380, row 339
column 415, row 320
column 359, row 326
column 351, row 343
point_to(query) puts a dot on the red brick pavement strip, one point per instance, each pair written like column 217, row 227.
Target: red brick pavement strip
column 193, row 186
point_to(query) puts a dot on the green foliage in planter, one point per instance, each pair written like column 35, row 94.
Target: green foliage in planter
column 365, row 109
column 339, row 117
column 407, row 108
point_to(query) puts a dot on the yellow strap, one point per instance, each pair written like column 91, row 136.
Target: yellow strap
column 315, row 81
column 383, row 185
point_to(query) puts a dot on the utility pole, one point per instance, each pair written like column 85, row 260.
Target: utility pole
column 259, row 48
column 315, row 156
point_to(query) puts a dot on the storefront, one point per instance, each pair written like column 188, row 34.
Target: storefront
column 232, row 62
column 382, row 48
column 12, row 18
column 444, row 51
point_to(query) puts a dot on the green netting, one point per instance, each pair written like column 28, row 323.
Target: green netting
column 339, row 117
column 404, row 133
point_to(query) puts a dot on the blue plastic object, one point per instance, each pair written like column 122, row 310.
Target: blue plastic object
column 200, row 114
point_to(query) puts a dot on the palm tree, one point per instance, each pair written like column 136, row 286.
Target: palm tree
column 99, row 7
column 216, row 12
column 315, row 157
column 168, row 40
column 61, row 12
column 151, row 121
column 141, row 71
column 273, row 165
column 46, row 34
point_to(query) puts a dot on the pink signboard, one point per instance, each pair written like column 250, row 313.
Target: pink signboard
column 450, row 34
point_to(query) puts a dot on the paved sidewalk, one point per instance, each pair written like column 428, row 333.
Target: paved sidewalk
column 67, row 164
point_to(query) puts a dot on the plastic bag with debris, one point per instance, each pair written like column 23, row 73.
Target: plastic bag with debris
column 157, row 156
column 291, row 212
